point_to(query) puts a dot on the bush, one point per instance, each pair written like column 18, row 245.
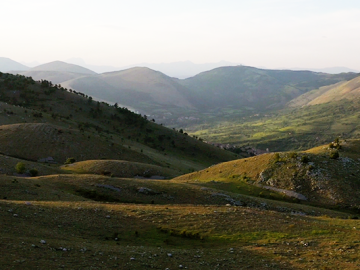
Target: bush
column 305, row 159
column 335, row 144
column 276, row 157
column 334, row 155
column 34, row 172
column 70, row 160
column 20, row 167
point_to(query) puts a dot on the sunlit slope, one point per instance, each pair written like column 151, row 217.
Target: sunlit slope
column 343, row 90
column 55, row 77
column 119, row 168
column 314, row 174
column 57, row 72
column 255, row 89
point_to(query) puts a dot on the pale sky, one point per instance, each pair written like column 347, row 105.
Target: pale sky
column 261, row 33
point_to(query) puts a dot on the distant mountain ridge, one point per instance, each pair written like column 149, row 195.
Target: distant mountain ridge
column 63, row 67
column 6, row 64
column 56, row 72
column 255, row 89
column 241, row 88
column 141, row 88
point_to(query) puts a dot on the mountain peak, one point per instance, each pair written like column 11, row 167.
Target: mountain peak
column 63, row 66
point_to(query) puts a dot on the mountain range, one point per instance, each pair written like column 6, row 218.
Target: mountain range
column 220, row 97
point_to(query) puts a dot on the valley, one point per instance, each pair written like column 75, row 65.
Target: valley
column 87, row 183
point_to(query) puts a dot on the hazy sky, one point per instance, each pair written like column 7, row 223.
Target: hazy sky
column 262, row 33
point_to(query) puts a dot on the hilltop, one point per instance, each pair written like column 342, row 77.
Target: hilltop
column 315, row 176
column 7, row 65
column 63, row 67
column 252, row 89
column 56, row 72
column 140, row 88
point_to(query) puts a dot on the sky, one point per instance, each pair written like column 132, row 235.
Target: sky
column 260, row 33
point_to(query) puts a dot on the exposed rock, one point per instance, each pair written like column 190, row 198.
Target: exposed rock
column 109, row 187
column 147, row 191
column 47, row 160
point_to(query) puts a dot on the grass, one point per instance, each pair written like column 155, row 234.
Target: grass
column 118, row 168
column 287, row 129
column 230, row 235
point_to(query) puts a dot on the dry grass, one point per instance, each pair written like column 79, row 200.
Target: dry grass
column 324, row 181
column 33, row 141
column 119, row 168
column 232, row 237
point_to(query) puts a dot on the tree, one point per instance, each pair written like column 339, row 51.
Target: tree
column 20, row 167
column 334, row 155
column 70, row 160
column 34, row 172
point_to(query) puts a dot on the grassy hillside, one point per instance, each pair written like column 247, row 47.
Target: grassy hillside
column 216, row 95
column 55, row 77
column 120, row 168
column 314, row 176
column 255, row 89
column 78, row 221
column 86, row 129
column 144, row 89
column 343, row 90
column 295, row 128
column 34, row 141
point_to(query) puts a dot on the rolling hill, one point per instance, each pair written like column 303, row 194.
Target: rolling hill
column 7, row 65
column 248, row 88
column 63, row 67
column 56, row 72
column 313, row 176
column 343, row 90
column 34, row 126
column 140, row 88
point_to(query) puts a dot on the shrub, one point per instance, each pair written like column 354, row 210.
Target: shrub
column 34, row 172
column 334, row 155
column 70, row 160
column 20, row 167
column 305, row 159
column 293, row 155
column 335, row 144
